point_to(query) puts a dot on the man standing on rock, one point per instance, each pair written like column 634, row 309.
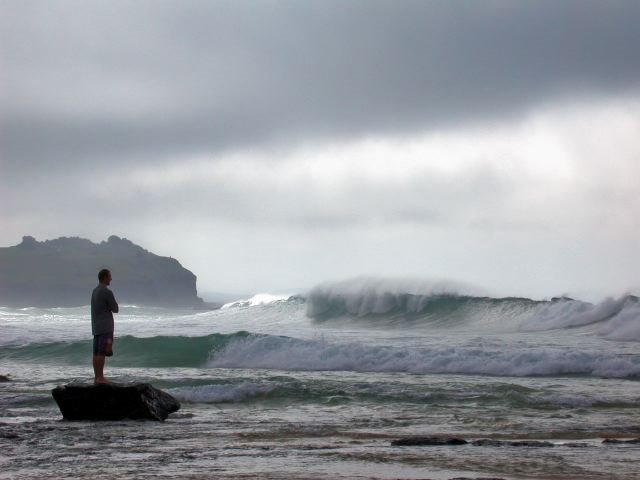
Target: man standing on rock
column 103, row 306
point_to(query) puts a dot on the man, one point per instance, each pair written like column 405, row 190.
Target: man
column 103, row 306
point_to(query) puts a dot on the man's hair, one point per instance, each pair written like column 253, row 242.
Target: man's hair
column 102, row 274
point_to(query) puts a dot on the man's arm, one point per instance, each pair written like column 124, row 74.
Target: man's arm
column 113, row 305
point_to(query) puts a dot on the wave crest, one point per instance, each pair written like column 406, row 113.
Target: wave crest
column 365, row 296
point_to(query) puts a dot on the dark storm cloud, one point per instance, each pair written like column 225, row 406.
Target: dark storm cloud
column 149, row 80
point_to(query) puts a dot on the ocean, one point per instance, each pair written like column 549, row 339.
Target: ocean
column 320, row 385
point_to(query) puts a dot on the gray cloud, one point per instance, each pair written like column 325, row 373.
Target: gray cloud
column 280, row 143
column 149, row 80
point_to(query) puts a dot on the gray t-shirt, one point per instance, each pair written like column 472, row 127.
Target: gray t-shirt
column 103, row 306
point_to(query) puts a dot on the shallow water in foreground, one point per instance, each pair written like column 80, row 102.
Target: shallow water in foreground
column 268, row 393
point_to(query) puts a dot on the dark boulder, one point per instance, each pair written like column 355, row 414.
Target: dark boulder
column 113, row 401
column 427, row 441
column 4, row 378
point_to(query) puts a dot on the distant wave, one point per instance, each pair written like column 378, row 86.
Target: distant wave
column 385, row 303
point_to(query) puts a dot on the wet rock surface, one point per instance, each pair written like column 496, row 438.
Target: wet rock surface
column 4, row 378
column 113, row 401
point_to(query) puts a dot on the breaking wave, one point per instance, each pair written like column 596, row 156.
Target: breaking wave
column 262, row 299
column 386, row 303
column 271, row 352
column 284, row 353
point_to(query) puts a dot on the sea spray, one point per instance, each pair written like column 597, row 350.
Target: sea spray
column 363, row 296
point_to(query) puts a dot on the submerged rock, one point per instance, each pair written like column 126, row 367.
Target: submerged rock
column 633, row 441
column 482, row 442
column 477, row 478
column 488, row 442
column 530, row 443
column 427, row 441
column 113, row 401
column 4, row 378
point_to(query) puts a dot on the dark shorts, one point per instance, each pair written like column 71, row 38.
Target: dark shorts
column 101, row 343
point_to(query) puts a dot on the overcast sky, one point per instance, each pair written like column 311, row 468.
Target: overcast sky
column 275, row 145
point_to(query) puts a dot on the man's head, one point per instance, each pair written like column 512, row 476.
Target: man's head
column 104, row 276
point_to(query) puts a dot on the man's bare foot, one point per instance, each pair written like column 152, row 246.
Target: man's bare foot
column 100, row 381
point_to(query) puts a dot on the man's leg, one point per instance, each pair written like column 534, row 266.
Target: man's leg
column 98, row 369
column 102, row 347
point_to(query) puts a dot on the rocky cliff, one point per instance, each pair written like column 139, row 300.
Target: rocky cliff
column 62, row 272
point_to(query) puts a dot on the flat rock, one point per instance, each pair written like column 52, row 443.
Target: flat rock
column 427, row 441
column 114, row 401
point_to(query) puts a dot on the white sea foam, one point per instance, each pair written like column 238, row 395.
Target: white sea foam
column 220, row 393
column 5, row 312
column 259, row 299
column 615, row 319
column 625, row 325
column 282, row 353
column 572, row 313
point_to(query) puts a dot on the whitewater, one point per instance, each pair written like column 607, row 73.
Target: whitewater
column 318, row 385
